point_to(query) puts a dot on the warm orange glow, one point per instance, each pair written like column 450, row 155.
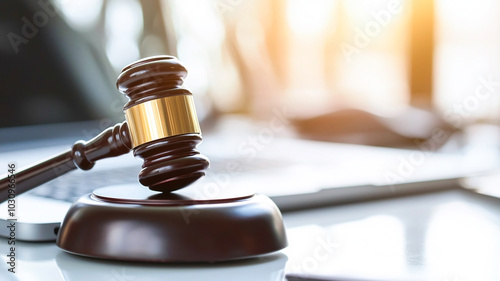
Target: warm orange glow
column 319, row 56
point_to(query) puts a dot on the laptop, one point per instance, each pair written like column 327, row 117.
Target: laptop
column 294, row 173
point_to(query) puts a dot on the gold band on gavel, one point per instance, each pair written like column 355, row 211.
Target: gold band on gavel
column 164, row 117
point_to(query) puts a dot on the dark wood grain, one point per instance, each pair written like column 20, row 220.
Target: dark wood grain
column 171, row 229
column 173, row 162
column 152, row 78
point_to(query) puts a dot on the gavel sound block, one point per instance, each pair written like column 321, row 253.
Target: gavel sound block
column 155, row 224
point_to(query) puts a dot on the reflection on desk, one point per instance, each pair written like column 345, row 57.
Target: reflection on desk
column 75, row 268
column 445, row 236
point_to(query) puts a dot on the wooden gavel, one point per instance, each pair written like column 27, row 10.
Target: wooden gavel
column 161, row 127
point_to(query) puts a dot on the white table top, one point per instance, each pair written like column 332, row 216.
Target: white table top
column 446, row 236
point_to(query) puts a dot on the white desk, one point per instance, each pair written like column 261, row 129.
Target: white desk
column 446, row 236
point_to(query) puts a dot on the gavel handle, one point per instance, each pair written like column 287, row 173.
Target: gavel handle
column 111, row 142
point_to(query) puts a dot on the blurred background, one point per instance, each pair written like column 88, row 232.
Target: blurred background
column 377, row 72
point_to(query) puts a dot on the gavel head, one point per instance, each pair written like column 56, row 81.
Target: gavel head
column 162, row 122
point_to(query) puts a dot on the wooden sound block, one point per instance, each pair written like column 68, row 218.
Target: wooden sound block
column 132, row 223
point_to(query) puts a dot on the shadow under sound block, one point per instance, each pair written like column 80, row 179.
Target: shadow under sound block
column 131, row 223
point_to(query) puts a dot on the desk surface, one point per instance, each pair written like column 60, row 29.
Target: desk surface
column 446, row 236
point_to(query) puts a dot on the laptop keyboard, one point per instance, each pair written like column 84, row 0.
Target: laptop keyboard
column 77, row 183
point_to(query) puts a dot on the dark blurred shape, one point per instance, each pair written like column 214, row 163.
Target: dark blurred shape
column 361, row 127
column 50, row 74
